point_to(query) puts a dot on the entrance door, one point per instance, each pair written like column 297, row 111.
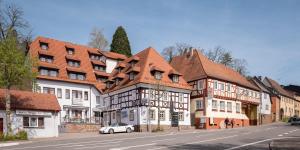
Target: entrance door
column 1, row 125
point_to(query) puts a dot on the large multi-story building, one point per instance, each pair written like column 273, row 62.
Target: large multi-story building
column 264, row 111
column 287, row 100
column 75, row 74
column 144, row 90
column 218, row 92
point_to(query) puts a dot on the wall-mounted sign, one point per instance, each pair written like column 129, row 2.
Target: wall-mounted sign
column 33, row 113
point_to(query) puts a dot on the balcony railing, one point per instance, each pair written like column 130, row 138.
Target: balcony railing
column 77, row 101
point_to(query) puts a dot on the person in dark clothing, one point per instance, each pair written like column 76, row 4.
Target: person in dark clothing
column 226, row 122
column 232, row 122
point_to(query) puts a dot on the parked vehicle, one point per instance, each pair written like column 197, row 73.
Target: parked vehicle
column 295, row 121
column 117, row 127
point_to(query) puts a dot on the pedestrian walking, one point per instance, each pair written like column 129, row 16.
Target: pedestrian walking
column 232, row 123
column 226, row 122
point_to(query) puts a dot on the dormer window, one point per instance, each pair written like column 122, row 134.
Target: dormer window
column 99, row 68
column 76, row 76
column 48, row 72
column 45, row 58
column 73, row 63
column 118, row 81
column 101, row 78
column 175, row 78
column 108, row 85
column 44, row 46
column 70, row 51
column 157, row 75
column 131, row 76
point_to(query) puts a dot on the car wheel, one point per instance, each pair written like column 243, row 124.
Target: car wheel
column 128, row 130
column 111, row 131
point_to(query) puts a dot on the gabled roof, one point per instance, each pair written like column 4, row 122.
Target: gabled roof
column 259, row 84
column 146, row 59
column 293, row 88
column 30, row 101
column 278, row 88
column 57, row 49
column 195, row 65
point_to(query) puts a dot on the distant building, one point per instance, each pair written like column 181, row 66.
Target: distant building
column 264, row 111
column 75, row 74
column 36, row 113
column 295, row 90
column 287, row 100
column 218, row 92
column 145, row 89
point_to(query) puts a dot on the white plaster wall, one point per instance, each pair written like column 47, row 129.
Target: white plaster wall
column 218, row 114
column 265, row 102
column 110, row 65
column 50, row 125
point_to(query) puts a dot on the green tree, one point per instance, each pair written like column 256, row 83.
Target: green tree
column 120, row 43
column 15, row 71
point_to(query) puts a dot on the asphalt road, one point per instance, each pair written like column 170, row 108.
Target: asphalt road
column 275, row 136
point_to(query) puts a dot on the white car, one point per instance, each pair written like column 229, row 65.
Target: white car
column 117, row 127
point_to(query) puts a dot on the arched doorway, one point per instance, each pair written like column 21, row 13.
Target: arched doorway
column 281, row 114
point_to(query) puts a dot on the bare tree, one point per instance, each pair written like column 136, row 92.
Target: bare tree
column 168, row 53
column 240, row 65
column 97, row 39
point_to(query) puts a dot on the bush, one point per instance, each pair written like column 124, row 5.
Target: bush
column 21, row 135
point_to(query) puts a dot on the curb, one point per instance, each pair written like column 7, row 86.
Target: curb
column 9, row 144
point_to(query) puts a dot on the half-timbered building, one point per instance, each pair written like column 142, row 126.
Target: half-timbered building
column 75, row 74
column 144, row 90
column 218, row 92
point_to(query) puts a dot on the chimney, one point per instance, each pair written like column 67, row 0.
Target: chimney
column 260, row 78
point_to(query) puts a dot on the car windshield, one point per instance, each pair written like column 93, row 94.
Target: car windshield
column 114, row 124
column 123, row 124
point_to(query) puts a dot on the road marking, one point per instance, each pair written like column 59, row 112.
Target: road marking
column 253, row 143
column 280, row 135
column 163, row 140
column 8, row 144
column 128, row 147
column 96, row 146
column 286, row 133
column 91, row 145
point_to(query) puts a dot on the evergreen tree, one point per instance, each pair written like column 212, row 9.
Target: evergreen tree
column 120, row 43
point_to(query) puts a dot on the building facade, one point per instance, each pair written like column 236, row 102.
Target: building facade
column 35, row 113
column 218, row 92
column 145, row 91
column 295, row 91
column 75, row 74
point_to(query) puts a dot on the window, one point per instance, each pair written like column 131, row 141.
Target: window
column 114, row 115
column 180, row 97
column 131, row 115
column 48, row 72
column 200, row 85
column 59, row 93
column 117, row 81
column 214, row 104
column 70, row 51
column 67, row 94
column 228, row 87
column 48, row 59
column 162, row 115
column 238, row 107
column 73, row 63
column 180, row 116
column 131, row 76
column 99, row 68
column 267, row 107
column 86, row 95
column 33, row 122
column 44, row 46
column 76, row 94
column 98, row 100
column 49, row 90
column 265, row 96
column 157, row 75
column 229, row 107
column 215, row 85
column 152, row 114
column 199, row 104
column 76, row 76
column 175, row 78
column 222, row 105
column 221, row 86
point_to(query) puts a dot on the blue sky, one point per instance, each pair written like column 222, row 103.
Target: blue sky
column 265, row 33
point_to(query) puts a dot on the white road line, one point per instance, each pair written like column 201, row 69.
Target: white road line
column 163, row 140
column 237, row 147
column 96, row 146
column 8, row 144
column 286, row 133
column 128, row 147
column 92, row 145
column 280, row 135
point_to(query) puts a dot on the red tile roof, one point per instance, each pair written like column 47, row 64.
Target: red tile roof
column 30, row 101
column 279, row 89
column 196, row 66
column 57, row 49
column 146, row 59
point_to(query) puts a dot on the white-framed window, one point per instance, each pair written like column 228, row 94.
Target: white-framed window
column 228, row 87
column 59, row 93
column 221, row 86
column 131, row 75
column 70, row 51
column 175, row 78
column 86, row 95
column 33, row 122
column 238, row 107
column 215, row 84
column 162, row 115
column 76, row 94
column 214, row 104
column 267, row 107
column 199, row 104
column 229, row 106
column 222, row 105
column 73, row 63
column 76, row 76
column 44, row 46
column 67, row 94
column 200, row 84
column 49, row 90
column 98, row 100
column 47, row 59
column 152, row 114
column 158, row 75
column 180, row 97
column 131, row 115
column 181, row 116
column 48, row 72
